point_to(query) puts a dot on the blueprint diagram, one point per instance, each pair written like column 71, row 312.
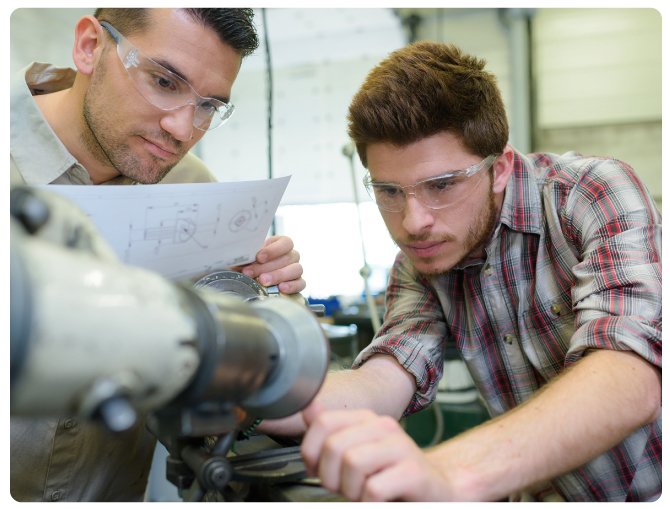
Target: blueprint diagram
column 182, row 230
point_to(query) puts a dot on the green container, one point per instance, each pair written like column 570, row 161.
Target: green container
column 426, row 427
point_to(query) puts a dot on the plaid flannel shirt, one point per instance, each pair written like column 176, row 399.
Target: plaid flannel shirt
column 574, row 264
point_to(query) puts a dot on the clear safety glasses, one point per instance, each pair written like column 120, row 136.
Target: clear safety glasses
column 164, row 89
column 435, row 193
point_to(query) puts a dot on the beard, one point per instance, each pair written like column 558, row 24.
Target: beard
column 478, row 235
column 104, row 138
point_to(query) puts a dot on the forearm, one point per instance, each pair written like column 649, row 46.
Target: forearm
column 581, row 414
column 381, row 385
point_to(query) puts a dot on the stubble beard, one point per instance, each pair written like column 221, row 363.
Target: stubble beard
column 478, row 235
column 103, row 138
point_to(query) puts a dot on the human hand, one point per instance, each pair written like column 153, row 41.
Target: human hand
column 368, row 458
column 276, row 264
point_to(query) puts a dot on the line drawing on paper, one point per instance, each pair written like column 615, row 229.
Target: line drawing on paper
column 248, row 219
column 180, row 231
column 172, row 225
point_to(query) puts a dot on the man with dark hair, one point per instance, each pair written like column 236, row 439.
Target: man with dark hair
column 234, row 27
column 544, row 270
column 149, row 84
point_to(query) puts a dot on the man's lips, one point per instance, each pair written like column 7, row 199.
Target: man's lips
column 425, row 249
column 159, row 149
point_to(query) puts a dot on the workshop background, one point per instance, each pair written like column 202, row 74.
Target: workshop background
column 572, row 79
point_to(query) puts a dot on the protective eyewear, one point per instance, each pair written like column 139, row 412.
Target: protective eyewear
column 435, row 193
column 166, row 90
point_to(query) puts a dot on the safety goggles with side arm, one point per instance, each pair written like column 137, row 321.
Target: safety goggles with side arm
column 435, row 192
column 165, row 89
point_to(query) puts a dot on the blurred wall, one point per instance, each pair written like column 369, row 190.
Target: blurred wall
column 42, row 35
column 595, row 83
column 594, row 86
column 598, row 85
column 319, row 59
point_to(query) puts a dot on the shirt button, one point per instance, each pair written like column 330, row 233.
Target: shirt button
column 488, row 270
column 556, row 309
column 508, row 338
column 55, row 496
column 79, row 173
column 68, row 424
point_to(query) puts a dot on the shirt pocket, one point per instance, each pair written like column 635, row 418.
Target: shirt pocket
column 547, row 330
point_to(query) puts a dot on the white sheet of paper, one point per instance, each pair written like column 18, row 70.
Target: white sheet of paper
column 181, row 230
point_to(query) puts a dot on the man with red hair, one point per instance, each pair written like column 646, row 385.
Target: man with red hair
column 544, row 270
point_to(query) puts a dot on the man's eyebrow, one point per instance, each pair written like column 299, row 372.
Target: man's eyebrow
column 174, row 70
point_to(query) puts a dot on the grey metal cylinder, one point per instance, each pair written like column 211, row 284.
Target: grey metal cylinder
column 302, row 363
column 238, row 355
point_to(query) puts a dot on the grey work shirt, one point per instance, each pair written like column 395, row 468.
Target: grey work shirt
column 37, row 156
column 69, row 459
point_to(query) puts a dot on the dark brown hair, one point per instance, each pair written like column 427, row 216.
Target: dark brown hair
column 424, row 89
column 235, row 27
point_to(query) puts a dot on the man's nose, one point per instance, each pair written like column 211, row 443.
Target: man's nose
column 417, row 218
column 179, row 122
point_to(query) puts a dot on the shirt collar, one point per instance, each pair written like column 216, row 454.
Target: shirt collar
column 522, row 205
column 40, row 156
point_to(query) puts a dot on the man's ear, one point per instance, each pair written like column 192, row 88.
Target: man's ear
column 88, row 43
column 502, row 169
